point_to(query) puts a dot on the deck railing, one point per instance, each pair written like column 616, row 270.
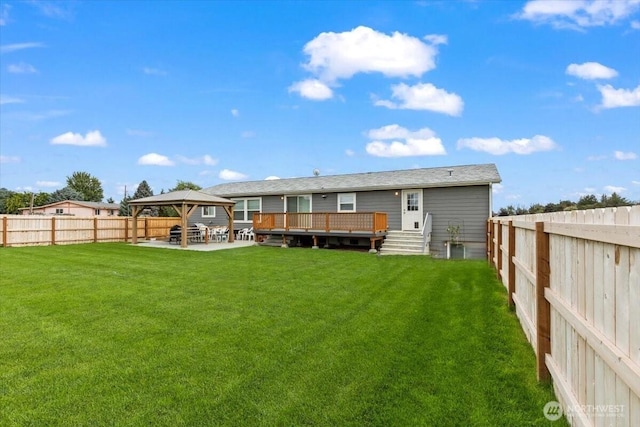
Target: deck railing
column 373, row 222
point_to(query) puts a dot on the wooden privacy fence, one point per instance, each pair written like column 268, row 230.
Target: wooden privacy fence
column 31, row 230
column 574, row 279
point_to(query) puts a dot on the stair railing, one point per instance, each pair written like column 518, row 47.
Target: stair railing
column 426, row 232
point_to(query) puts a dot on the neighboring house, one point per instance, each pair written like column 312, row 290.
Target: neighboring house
column 444, row 198
column 74, row 207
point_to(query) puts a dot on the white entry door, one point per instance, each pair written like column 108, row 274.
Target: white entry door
column 412, row 210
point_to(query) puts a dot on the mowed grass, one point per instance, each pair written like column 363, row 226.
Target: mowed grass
column 110, row 334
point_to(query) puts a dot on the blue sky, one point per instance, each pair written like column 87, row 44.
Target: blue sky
column 211, row 92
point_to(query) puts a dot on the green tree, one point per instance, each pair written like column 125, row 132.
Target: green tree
column 66, row 193
column 4, row 195
column 614, row 200
column 124, row 206
column 87, row 185
column 144, row 190
column 16, row 201
column 110, row 200
column 186, row 185
column 589, row 201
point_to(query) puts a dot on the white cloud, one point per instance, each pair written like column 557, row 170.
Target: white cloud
column 591, row 71
column 578, row 14
column 92, row 139
column 334, row 56
column 497, row 188
column 271, row 178
column 423, row 96
column 154, row 159
column 229, row 175
column 48, row 184
column 204, row 160
column 621, row 155
column 635, row 25
column 235, row 112
column 498, row 146
column 154, row 71
column 596, row 157
column 613, row 189
column 436, row 39
column 349, row 152
column 21, row 68
column 9, row 159
column 10, row 100
column 8, row 48
column 615, row 98
column 4, row 14
column 396, row 141
column 635, row 182
column 312, row 89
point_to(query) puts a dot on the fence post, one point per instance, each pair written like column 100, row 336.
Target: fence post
column 53, row 230
column 490, row 240
column 543, row 309
column 146, row 228
column 126, row 229
column 95, row 229
column 499, row 252
column 511, row 286
column 5, row 222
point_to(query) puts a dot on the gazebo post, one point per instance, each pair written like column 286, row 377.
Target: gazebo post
column 183, row 223
column 229, row 211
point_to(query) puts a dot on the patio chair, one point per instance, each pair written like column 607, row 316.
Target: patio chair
column 222, row 234
column 242, row 234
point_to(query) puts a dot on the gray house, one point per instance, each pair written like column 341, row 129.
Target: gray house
column 439, row 209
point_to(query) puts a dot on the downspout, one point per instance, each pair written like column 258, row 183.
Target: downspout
column 490, row 199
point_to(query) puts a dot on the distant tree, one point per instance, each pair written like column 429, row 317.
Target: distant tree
column 110, row 200
column 185, row 185
column 41, row 199
column 124, row 206
column 589, row 201
column 536, row 208
column 66, row 193
column 614, row 200
column 508, row 211
column 521, row 210
column 16, row 201
column 144, row 190
column 4, row 195
column 87, row 185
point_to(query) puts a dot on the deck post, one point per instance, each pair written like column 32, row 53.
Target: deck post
column 284, row 241
column 315, row 242
column 373, row 246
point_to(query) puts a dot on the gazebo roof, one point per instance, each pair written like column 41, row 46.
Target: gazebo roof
column 191, row 197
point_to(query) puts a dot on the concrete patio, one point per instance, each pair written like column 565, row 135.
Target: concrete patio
column 203, row 247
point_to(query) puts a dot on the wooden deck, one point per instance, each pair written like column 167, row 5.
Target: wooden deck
column 371, row 225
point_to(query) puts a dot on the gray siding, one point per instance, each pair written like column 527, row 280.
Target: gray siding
column 464, row 206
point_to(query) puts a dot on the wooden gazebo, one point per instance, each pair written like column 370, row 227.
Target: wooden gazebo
column 185, row 202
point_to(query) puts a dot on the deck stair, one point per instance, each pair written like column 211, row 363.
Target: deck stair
column 403, row 243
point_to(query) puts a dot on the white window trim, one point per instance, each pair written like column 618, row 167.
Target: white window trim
column 354, row 202
column 245, row 210
column 208, row 216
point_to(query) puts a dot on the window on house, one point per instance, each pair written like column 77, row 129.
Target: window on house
column 347, row 202
column 245, row 208
column 59, row 210
column 208, row 212
column 96, row 211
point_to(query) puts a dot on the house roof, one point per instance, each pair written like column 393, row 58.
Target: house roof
column 399, row 179
column 182, row 196
column 92, row 205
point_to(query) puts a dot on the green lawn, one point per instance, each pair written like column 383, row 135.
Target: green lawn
column 110, row 334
